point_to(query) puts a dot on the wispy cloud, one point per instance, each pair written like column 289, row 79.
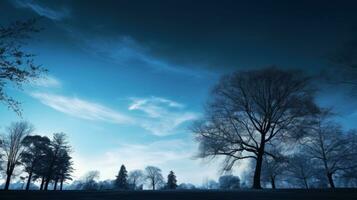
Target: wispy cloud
column 81, row 108
column 161, row 116
column 47, row 82
column 157, row 115
column 42, row 10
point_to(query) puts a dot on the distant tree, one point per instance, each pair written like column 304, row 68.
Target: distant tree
column 327, row 144
column 154, row 176
column 16, row 65
column 186, row 186
column 250, row 109
column 36, row 148
column 229, row 182
column 301, row 169
column 121, row 181
column 273, row 167
column 171, row 181
column 12, row 146
column 89, row 180
column 136, row 178
column 210, row 185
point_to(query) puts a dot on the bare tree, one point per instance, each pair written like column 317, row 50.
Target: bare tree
column 136, row 177
column 16, row 65
column 273, row 168
column 250, row 109
column 301, row 168
column 327, row 143
column 12, row 146
column 154, row 176
column 89, row 180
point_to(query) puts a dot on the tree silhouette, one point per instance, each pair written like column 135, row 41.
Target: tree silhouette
column 327, row 144
column 36, row 148
column 229, row 182
column 154, row 176
column 59, row 149
column 136, row 178
column 301, row 168
column 16, row 65
column 171, row 181
column 12, row 146
column 121, row 182
column 250, row 109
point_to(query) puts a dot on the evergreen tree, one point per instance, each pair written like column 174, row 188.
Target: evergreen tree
column 171, row 181
column 121, row 181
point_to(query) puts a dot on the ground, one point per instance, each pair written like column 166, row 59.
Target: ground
column 343, row 194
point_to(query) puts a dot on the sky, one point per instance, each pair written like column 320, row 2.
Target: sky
column 127, row 78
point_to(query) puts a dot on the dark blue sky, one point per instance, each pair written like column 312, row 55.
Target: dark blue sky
column 127, row 77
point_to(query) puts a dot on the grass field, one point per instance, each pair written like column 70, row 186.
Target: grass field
column 288, row 194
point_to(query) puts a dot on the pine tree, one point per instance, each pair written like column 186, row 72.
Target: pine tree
column 121, row 181
column 171, row 181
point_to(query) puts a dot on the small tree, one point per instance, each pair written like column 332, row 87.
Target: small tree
column 121, row 181
column 229, row 182
column 171, row 181
column 136, row 178
column 301, row 168
column 89, row 180
column 12, row 146
column 154, row 176
column 332, row 148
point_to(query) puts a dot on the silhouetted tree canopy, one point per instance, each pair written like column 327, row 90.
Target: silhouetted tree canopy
column 12, row 146
column 154, row 177
column 249, row 109
column 16, row 65
column 171, row 181
column 121, row 182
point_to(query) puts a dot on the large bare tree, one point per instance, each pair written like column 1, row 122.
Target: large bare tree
column 16, row 65
column 249, row 109
column 12, row 146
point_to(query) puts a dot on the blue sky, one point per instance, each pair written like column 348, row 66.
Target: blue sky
column 125, row 81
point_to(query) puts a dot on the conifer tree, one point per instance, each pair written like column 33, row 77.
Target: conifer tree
column 171, row 181
column 121, row 181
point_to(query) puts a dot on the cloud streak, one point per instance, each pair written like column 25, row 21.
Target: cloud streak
column 44, row 11
column 81, row 108
column 161, row 116
column 47, row 82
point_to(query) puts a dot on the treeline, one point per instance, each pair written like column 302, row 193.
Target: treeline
column 134, row 180
column 152, row 178
column 42, row 159
column 270, row 118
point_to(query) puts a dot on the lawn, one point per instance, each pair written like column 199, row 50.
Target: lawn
column 291, row 194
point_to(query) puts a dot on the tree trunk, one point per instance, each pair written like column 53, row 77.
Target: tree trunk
column 330, row 180
column 29, row 181
column 272, row 182
column 258, row 166
column 46, row 183
column 61, row 185
column 42, row 182
column 55, row 186
column 153, row 185
column 8, row 180
column 306, row 184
